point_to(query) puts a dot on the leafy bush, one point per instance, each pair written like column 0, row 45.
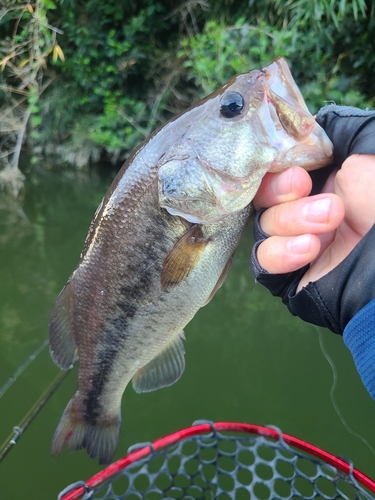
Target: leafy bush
column 122, row 67
column 220, row 52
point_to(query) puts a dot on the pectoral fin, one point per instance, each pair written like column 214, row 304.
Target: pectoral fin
column 62, row 345
column 162, row 371
column 183, row 257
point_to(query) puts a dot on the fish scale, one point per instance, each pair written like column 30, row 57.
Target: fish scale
column 161, row 244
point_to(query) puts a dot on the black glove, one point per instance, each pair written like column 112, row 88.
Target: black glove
column 335, row 298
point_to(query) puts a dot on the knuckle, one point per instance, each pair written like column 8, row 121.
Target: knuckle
column 283, row 220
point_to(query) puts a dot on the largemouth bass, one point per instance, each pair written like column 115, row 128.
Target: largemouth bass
column 162, row 240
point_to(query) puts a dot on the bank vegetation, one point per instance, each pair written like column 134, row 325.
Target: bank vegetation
column 84, row 80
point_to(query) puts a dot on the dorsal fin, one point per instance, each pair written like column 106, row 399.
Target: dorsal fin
column 62, row 345
column 183, row 257
column 164, row 370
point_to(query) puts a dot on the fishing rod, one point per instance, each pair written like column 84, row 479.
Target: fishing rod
column 39, row 404
column 22, row 368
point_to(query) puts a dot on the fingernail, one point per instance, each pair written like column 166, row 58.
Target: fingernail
column 299, row 244
column 281, row 183
column 317, row 211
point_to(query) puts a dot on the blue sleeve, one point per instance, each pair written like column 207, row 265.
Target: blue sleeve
column 359, row 337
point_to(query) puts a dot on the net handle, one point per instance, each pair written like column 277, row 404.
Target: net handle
column 203, row 428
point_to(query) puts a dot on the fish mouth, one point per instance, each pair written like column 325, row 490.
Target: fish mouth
column 296, row 122
column 295, row 134
column 288, row 108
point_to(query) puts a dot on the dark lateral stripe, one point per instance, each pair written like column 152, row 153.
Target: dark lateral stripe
column 92, row 406
column 142, row 271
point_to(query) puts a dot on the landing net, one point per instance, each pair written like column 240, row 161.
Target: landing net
column 225, row 460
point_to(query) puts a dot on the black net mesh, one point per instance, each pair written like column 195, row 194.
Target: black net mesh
column 223, row 466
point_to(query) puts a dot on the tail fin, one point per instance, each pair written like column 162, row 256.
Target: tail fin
column 100, row 438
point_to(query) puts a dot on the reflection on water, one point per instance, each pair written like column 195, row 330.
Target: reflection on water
column 247, row 358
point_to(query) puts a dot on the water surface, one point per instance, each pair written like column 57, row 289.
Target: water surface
column 247, row 358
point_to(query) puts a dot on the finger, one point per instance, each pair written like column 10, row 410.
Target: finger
column 354, row 183
column 317, row 214
column 329, row 186
column 288, row 185
column 280, row 254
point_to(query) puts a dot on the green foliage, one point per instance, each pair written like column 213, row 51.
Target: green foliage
column 108, row 49
column 123, row 67
column 318, row 14
column 220, row 52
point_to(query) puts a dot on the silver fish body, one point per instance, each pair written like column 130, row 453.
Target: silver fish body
column 161, row 243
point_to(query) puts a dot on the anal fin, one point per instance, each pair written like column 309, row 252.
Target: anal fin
column 183, row 257
column 62, row 345
column 164, row 370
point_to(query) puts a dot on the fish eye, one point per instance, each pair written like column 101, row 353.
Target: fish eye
column 232, row 104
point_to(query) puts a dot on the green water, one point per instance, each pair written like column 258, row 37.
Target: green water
column 247, row 359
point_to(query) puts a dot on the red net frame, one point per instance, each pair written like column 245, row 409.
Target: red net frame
column 79, row 489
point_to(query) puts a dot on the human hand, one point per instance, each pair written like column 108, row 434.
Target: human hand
column 322, row 229
column 310, row 254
